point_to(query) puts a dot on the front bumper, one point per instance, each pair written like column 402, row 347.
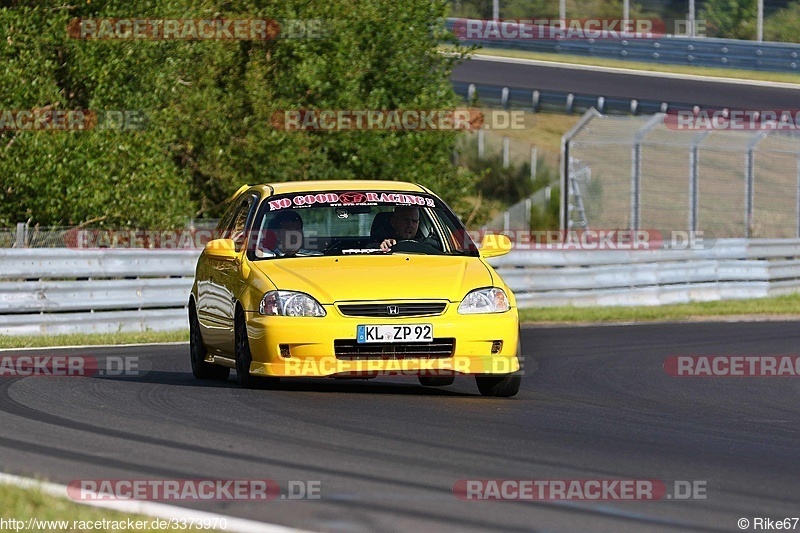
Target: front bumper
column 309, row 344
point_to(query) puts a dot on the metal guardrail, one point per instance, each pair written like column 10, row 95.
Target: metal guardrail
column 48, row 291
column 58, row 290
column 674, row 50
column 730, row 269
column 569, row 102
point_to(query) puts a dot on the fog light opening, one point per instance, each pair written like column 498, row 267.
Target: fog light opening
column 284, row 349
column 497, row 346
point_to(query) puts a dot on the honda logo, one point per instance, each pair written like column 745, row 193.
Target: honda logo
column 392, row 310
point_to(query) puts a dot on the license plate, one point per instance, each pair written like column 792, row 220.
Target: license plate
column 405, row 333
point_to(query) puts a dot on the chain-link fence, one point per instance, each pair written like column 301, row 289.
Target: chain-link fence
column 524, row 158
column 518, row 216
column 640, row 173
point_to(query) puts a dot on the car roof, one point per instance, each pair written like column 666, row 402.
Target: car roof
column 339, row 185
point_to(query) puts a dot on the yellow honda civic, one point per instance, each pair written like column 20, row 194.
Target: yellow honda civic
column 351, row 279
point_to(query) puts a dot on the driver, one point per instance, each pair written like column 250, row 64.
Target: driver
column 405, row 223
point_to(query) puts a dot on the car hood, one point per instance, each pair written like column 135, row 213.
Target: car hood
column 392, row 277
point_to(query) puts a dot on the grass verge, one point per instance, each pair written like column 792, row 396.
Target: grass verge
column 51, row 513
column 80, row 339
column 786, row 307
column 649, row 67
column 543, row 129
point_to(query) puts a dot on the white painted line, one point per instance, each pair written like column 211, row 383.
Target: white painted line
column 157, row 510
column 632, row 72
column 86, row 346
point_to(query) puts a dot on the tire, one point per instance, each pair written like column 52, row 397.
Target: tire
column 503, row 386
column 197, row 351
column 436, row 381
column 499, row 386
column 244, row 358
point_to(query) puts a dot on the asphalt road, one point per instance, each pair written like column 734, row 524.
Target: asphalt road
column 596, row 403
column 712, row 94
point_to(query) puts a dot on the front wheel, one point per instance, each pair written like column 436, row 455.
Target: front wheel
column 499, row 386
column 197, row 350
column 244, row 358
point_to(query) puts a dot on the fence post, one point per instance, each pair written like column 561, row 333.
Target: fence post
column 636, row 170
column 693, row 186
column 564, row 168
column 636, row 179
column 749, row 179
column 506, row 155
column 528, row 207
column 481, row 145
column 694, row 178
column 21, row 230
column 748, row 191
column 534, row 161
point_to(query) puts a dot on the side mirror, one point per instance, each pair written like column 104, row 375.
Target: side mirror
column 221, row 249
column 495, row 245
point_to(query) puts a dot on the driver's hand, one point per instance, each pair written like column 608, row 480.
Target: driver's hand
column 387, row 244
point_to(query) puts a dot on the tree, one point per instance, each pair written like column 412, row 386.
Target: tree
column 784, row 25
column 731, row 19
column 209, row 106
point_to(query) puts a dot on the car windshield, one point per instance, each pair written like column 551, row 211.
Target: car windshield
column 356, row 222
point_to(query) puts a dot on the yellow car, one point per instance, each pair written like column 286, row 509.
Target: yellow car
column 351, row 279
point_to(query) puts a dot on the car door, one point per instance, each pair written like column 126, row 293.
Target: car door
column 225, row 280
column 207, row 312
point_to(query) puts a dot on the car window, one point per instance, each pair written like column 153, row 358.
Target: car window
column 329, row 226
column 224, row 224
column 237, row 224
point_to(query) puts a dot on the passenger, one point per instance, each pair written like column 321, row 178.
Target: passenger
column 284, row 235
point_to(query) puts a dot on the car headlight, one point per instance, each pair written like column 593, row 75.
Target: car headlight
column 289, row 303
column 491, row 300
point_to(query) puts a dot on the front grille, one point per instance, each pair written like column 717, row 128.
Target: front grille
column 389, row 309
column 351, row 350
